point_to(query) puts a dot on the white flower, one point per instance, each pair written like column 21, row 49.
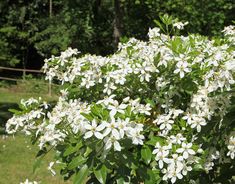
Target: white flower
column 107, row 100
column 50, row 168
column 178, row 139
column 164, row 121
column 115, row 107
column 180, row 25
column 122, row 126
column 161, row 154
column 144, row 109
column 172, row 174
column 111, row 127
column 176, row 161
column 28, row 182
column 109, row 87
column 231, row 147
column 181, row 68
column 87, row 82
column 136, row 137
column 94, row 129
column 161, row 157
column 185, row 149
column 198, row 122
column 112, row 141
column 186, row 169
column 153, row 33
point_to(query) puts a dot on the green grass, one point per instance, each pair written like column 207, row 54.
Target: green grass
column 9, row 100
column 7, row 96
column 17, row 157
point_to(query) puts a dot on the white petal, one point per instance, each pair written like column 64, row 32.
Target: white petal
column 107, row 131
column 88, row 135
column 88, row 127
column 179, row 176
column 123, row 106
column 193, row 125
column 181, row 74
column 185, row 155
column 117, row 146
column 160, row 164
column 101, row 127
column 162, row 126
column 155, row 151
column 99, row 135
column 184, row 172
column 108, row 145
column 191, row 152
column 94, row 124
column 173, row 179
column 113, row 112
column 180, row 150
column 177, row 71
column 198, row 128
column 168, row 126
column 116, row 134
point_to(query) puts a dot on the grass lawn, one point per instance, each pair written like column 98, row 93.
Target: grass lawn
column 9, row 100
column 8, row 96
column 17, row 157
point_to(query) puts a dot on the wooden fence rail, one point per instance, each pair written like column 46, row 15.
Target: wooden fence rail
column 24, row 71
column 21, row 69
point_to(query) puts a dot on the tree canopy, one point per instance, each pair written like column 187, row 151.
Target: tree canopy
column 31, row 31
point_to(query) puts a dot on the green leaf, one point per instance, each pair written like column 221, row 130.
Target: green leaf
column 79, row 160
column 157, row 59
column 101, row 174
column 153, row 177
column 87, row 116
column 146, row 154
column 198, row 167
column 16, row 112
column 159, row 24
column 88, row 151
column 120, row 181
column 41, row 152
column 81, row 176
column 72, row 149
column 154, row 140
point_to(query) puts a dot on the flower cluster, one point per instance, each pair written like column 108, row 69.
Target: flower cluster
column 170, row 88
column 177, row 163
column 231, row 147
column 29, row 182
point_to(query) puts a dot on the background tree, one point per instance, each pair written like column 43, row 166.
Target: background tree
column 29, row 34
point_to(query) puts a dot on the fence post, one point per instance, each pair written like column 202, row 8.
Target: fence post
column 49, row 88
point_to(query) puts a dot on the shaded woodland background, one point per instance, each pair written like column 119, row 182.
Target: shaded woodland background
column 33, row 30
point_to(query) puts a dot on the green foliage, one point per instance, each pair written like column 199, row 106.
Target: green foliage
column 88, row 24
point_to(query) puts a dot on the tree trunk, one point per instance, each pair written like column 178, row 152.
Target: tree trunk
column 50, row 8
column 117, row 28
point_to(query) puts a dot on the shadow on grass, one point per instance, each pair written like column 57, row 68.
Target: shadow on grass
column 5, row 114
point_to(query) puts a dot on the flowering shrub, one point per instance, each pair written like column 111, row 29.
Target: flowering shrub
column 156, row 111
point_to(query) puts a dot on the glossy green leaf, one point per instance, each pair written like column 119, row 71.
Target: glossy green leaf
column 146, row 154
column 82, row 175
column 79, row 160
column 101, row 174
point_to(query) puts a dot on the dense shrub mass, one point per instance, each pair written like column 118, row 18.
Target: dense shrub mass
column 154, row 112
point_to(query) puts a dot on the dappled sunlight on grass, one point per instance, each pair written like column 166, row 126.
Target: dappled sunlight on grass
column 17, row 157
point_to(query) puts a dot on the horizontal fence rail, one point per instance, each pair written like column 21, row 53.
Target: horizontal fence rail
column 21, row 69
column 24, row 71
column 11, row 79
